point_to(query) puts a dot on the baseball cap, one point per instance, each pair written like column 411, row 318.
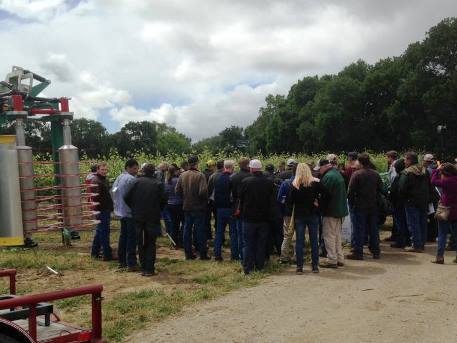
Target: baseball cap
column 210, row 163
column 332, row 158
column 321, row 163
column 255, row 164
column 428, row 158
column 352, row 155
column 291, row 162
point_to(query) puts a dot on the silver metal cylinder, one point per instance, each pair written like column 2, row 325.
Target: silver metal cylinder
column 11, row 230
column 27, row 185
column 71, row 191
column 20, row 132
column 66, row 132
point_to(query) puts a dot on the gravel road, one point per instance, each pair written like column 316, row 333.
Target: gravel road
column 400, row 298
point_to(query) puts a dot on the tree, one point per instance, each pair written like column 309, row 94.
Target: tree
column 137, row 137
column 90, row 137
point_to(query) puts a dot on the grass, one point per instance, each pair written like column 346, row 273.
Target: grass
column 131, row 302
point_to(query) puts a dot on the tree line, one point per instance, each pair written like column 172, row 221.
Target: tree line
column 396, row 103
column 94, row 141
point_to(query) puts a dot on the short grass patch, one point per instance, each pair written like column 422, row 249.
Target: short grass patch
column 131, row 302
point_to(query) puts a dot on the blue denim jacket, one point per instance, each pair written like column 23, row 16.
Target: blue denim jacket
column 282, row 194
column 119, row 190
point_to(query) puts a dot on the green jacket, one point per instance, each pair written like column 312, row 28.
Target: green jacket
column 336, row 204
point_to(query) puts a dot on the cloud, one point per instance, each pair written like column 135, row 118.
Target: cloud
column 200, row 65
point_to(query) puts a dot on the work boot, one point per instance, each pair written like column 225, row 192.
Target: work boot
column 354, row 257
column 439, row 260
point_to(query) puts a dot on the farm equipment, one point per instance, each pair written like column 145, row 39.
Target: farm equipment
column 26, row 208
column 32, row 319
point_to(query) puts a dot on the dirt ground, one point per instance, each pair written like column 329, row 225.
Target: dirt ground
column 400, row 298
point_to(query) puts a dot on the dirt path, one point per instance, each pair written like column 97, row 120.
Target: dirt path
column 400, row 298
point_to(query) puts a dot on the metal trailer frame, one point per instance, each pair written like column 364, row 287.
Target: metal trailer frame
column 27, row 332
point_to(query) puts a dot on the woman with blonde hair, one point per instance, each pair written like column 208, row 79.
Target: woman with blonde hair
column 303, row 198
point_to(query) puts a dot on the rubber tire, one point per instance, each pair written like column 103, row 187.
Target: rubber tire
column 7, row 339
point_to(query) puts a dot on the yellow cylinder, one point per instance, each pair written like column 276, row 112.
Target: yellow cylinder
column 11, row 230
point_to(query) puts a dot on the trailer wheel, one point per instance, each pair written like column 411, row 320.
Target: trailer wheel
column 7, row 339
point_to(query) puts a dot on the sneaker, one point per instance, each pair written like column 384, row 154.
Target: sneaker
column 438, row 260
column 219, row 258
column 133, row 269
column 205, row 258
column 148, row 274
column 354, row 257
column 340, row 264
column 315, row 269
column 376, row 256
column 455, row 260
column 389, row 239
column 191, row 257
column 299, row 270
column 283, row 261
column 328, row 265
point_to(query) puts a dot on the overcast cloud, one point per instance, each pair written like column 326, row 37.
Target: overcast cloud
column 199, row 66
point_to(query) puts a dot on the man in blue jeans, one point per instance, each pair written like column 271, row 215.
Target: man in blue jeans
column 104, row 207
column 364, row 187
column 236, row 180
column 193, row 188
column 256, row 203
column 224, row 209
column 127, row 239
column 415, row 189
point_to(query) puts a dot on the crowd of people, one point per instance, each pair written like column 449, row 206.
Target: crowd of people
column 264, row 208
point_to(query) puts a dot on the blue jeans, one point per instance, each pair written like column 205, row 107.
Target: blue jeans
column 101, row 238
column 365, row 223
column 224, row 218
column 313, row 226
column 127, row 243
column 239, row 235
column 403, row 237
column 444, row 228
column 417, row 225
column 176, row 215
column 255, row 237
column 197, row 219
column 167, row 221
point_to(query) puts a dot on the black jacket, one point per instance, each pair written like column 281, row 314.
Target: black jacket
column 236, row 180
column 256, row 199
column 364, row 188
column 415, row 187
column 305, row 200
column 104, row 200
column 146, row 198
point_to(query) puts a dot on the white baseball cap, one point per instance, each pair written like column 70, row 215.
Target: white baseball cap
column 291, row 162
column 428, row 158
column 255, row 164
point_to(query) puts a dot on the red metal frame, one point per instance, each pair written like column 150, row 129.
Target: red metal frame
column 32, row 300
column 11, row 273
column 17, row 102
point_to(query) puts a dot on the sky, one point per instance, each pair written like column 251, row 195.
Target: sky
column 199, row 66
